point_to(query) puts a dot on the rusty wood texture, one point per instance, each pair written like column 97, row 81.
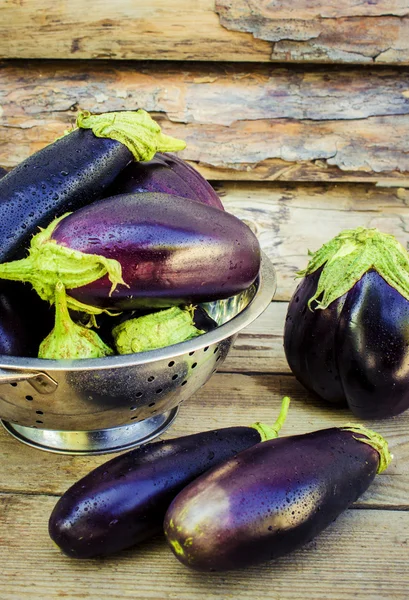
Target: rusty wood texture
column 375, row 32
column 244, row 122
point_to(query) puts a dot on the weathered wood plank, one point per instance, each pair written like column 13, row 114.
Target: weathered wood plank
column 223, row 30
column 324, row 31
column 262, row 123
column 259, row 347
column 225, row 400
column 368, row 547
column 177, row 30
column 291, row 219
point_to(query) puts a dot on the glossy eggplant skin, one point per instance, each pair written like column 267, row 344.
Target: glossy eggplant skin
column 24, row 320
column 123, row 502
column 356, row 351
column 268, row 500
column 70, row 173
column 172, row 250
column 166, row 173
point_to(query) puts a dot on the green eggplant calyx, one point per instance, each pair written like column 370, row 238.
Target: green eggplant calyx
column 375, row 440
column 48, row 263
column 268, row 432
column 349, row 255
column 157, row 330
column 68, row 340
column 135, row 129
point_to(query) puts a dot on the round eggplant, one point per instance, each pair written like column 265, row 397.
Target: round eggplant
column 73, row 171
column 123, row 502
column 346, row 337
column 158, row 250
column 272, row 498
column 168, row 174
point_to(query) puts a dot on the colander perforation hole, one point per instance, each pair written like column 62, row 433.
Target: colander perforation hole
column 29, row 398
column 218, row 358
column 134, row 417
column 38, row 421
column 152, row 404
column 184, row 382
column 191, row 353
column 138, row 395
column 171, row 363
column 151, row 378
column 175, row 376
column 159, row 391
column 206, row 348
column 194, row 365
column 39, row 412
column 14, row 384
column 133, row 408
column 216, row 350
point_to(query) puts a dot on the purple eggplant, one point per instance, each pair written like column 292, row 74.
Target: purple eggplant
column 123, row 502
column 73, row 171
column 168, row 174
column 159, row 250
column 272, row 498
column 24, row 320
column 346, row 337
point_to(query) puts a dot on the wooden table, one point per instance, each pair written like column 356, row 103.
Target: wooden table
column 297, row 149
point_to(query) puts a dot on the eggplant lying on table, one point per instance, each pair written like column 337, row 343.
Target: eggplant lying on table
column 136, row 250
column 346, row 334
column 272, row 498
column 123, row 502
column 73, row 171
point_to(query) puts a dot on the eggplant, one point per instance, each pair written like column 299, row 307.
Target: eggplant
column 346, row 337
column 123, row 502
column 272, row 498
column 158, row 250
column 24, row 320
column 168, row 174
column 73, row 171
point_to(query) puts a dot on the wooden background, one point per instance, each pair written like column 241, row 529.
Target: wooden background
column 298, row 113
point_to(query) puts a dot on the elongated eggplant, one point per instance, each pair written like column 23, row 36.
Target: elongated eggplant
column 168, row 174
column 123, row 502
column 24, row 320
column 346, row 336
column 272, row 498
column 72, row 172
column 158, row 250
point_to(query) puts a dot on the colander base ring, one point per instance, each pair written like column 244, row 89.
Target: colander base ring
column 100, row 441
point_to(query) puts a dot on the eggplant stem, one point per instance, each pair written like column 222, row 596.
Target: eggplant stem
column 375, row 440
column 268, row 432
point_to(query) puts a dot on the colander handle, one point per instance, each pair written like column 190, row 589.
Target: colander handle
column 41, row 382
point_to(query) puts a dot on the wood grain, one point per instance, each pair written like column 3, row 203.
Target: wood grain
column 225, row 30
column 324, row 31
column 239, row 123
column 291, row 219
column 369, row 549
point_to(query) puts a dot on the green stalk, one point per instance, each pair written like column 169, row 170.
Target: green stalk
column 135, row 129
column 268, row 432
column 373, row 439
column 68, row 340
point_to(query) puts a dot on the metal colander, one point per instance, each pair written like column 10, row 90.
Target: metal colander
column 110, row 404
